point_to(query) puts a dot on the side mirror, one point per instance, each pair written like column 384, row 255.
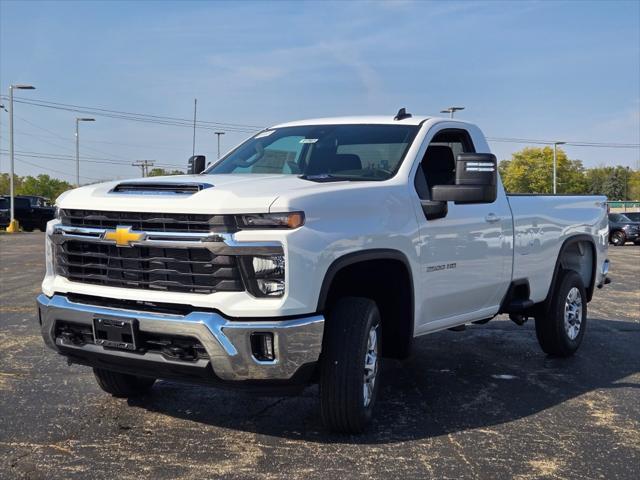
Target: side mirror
column 196, row 164
column 476, row 180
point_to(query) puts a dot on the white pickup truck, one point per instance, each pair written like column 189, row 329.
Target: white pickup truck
column 306, row 254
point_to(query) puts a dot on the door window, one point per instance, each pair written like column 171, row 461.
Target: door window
column 438, row 166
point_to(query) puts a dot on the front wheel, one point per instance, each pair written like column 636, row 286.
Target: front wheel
column 561, row 329
column 350, row 365
column 618, row 238
column 121, row 384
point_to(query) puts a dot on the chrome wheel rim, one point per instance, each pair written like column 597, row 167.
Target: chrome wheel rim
column 370, row 366
column 573, row 313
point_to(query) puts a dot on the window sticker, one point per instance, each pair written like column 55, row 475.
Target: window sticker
column 266, row 133
column 309, row 140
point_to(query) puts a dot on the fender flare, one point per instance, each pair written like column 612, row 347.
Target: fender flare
column 359, row 257
column 556, row 272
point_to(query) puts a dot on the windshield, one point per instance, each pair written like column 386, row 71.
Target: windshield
column 618, row 217
column 349, row 152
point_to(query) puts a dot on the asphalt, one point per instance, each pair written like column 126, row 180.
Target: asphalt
column 479, row 404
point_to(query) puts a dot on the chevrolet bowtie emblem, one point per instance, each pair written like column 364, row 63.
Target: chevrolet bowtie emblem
column 123, row 236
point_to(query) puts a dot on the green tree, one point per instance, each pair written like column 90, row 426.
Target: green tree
column 159, row 172
column 4, row 183
column 44, row 186
column 617, row 183
column 531, row 171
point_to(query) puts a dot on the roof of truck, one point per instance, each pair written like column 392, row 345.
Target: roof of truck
column 361, row 120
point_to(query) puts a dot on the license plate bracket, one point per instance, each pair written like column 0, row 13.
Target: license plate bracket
column 118, row 333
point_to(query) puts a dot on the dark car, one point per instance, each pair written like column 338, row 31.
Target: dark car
column 633, row 216
column 31, row 212
column 4, row 212
column 622, row 229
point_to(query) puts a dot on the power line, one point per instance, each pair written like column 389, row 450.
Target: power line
column 575, row 144
column 140, row 117
column 144, row 166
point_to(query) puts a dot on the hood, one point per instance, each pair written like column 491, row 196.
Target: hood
column 226, row 193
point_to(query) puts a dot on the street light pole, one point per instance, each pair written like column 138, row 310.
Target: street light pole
column 451, row 110
column 78, row 120
column 13, row 223
column 219, row 134
column 555, row 164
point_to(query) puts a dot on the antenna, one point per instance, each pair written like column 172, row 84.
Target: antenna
column 402, row 114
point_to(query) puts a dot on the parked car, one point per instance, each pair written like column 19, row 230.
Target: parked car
column 4, row 213
column 308, row 253
column 623, row 229
column 633, row 216
column 31, row 211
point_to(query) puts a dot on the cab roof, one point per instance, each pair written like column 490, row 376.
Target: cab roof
column 360, row 120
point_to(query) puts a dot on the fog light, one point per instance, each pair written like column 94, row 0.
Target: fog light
column 262, row 346
column 271, row 287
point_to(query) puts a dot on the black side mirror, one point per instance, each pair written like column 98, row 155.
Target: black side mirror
column 196, row 164
column 476, row 180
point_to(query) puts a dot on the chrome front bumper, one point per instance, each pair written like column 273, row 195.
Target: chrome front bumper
column 297, row 342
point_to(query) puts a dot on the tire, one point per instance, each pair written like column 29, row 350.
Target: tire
column 618, row 238
column 352, row 338
column 122, row 385
column 27, row 229
column 561, row 329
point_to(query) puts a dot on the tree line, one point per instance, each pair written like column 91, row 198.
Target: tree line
column 528, row 171
column 531, row 171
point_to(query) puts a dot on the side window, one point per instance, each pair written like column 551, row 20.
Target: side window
column 438, row 166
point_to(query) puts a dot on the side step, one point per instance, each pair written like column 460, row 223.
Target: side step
column 519, row 305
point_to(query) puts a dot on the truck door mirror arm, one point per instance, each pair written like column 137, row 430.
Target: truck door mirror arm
column 434, row 209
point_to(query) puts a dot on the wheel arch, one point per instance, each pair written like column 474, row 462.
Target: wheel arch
column 567, row 261
column 385, row 276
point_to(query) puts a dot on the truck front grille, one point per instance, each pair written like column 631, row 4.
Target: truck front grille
column 149, row 222
column 190, row 270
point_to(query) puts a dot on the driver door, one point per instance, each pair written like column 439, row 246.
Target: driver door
column 465, row 255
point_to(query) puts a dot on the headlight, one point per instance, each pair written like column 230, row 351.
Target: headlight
column 271, row 220
column 264, row 275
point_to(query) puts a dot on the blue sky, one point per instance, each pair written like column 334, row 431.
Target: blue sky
column 540, row 70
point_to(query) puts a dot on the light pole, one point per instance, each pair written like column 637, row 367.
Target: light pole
column 219, row 134
column 13, row 223
column 451, row 110
column 78, row 120
column 555, row 164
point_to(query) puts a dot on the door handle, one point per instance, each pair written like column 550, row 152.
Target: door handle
column 492, row 218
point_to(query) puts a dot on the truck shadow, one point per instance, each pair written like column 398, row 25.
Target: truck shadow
column 455, row 381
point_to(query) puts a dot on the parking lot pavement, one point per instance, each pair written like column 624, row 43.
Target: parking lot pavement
column 483, row 403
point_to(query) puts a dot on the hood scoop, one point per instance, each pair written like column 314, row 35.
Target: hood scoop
column 159, row 188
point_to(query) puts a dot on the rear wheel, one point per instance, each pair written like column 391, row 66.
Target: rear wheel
column 350, row 365
column 561, row 329
column 27, row 228
column 618, row 238
column 122, row 385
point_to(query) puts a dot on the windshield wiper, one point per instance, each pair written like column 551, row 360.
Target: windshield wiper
column 330, row 177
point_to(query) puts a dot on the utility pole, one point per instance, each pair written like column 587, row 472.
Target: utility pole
column 195, row 111
column 2, row 107
column 13, row 223
column 555, row 164
column 219, row 134
column 78, row 120
column 144, row 166
column 451, row 110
